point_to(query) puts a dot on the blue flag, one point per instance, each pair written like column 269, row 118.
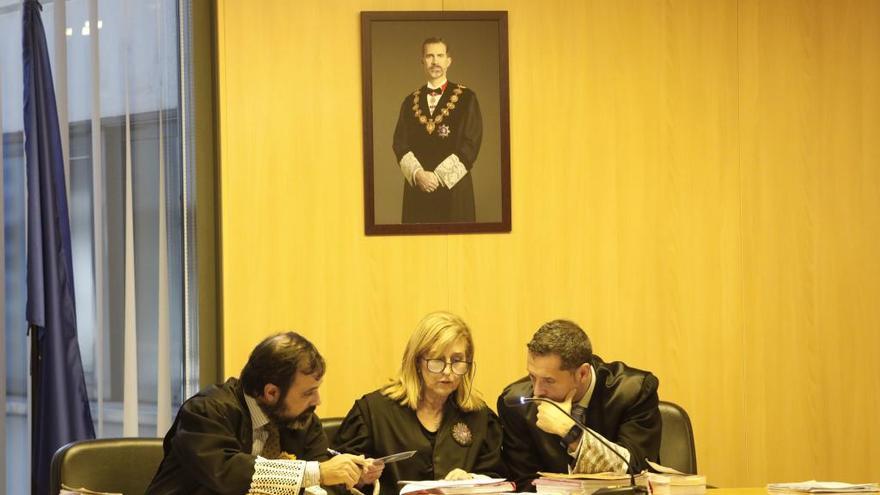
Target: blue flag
column 61, row 404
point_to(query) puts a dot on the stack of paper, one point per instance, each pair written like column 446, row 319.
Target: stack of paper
column 814, row 486
column 459, row 487
column 669, row 481
column 582, row 484
column 677, row 484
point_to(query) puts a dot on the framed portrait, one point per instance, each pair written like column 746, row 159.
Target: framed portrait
column 436, row 122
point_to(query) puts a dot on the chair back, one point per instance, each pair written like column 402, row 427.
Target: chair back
column 677, row 439
column 331, row 426
column 120, row 465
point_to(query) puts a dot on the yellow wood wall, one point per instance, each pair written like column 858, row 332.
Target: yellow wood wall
column 696, row 182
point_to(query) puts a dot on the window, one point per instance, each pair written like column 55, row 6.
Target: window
column 127, row 53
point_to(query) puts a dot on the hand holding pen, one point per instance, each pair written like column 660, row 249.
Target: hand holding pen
column 342, row 469
column 368, row 470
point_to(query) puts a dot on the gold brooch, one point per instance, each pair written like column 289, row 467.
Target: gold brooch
column 462, row 434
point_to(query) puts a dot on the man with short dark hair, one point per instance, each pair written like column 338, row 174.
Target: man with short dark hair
column 616, row 402
column 259, row 433
column 436, row 141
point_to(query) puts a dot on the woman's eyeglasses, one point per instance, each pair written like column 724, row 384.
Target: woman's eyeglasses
column 439, row 365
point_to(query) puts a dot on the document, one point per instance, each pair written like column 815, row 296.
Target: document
column 814, row 486
column 459, row 487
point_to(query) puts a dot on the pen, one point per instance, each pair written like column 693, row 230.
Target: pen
column 357, row 459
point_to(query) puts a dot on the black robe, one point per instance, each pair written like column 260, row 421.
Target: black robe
column 461, row 133
column 377, row 426
column 208, row 448
column 623, row 409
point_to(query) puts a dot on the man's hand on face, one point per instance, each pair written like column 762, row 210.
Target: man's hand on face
column 552, row 420
column 427, row 181
column 343, row 469
column 371, row 470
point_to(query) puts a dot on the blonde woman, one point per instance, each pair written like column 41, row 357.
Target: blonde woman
column 430, row 407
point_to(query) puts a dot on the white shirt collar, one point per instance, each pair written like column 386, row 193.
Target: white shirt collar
column 585, row 400
column 258, row 417
column 432, row 86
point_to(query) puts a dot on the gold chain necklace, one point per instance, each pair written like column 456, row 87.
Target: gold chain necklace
column 430, row 124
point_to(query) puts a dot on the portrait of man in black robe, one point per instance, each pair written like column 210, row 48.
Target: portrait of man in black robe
column 436, row 141
column 435, row 122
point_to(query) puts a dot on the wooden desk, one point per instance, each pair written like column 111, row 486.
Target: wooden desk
column 761, row 490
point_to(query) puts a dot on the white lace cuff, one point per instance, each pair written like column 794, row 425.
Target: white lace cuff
column 450, row 171
column 409, row 165
column 594, row 457
column 277, row 476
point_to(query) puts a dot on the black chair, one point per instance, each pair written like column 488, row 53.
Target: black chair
column 122, row 465
column 331, row 426
column 677, row 439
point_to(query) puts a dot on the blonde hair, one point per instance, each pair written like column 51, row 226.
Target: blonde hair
column 435, row 332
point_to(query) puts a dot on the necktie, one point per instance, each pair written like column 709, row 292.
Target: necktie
column 272, row 446
column 432, row 103
column 578, row 412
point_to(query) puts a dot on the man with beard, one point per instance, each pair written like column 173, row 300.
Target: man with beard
column 259, row 433
column 436, row 141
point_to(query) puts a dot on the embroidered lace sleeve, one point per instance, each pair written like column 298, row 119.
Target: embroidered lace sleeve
column 450, row 171
column 594, row 457
column 409, row 165
column 277, row 477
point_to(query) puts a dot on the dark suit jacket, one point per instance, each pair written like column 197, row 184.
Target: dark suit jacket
column 623, row 409
column 377, row 426
column 208, row 449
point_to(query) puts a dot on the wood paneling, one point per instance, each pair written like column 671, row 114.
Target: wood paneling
column 696, row 183
column 808, row 140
